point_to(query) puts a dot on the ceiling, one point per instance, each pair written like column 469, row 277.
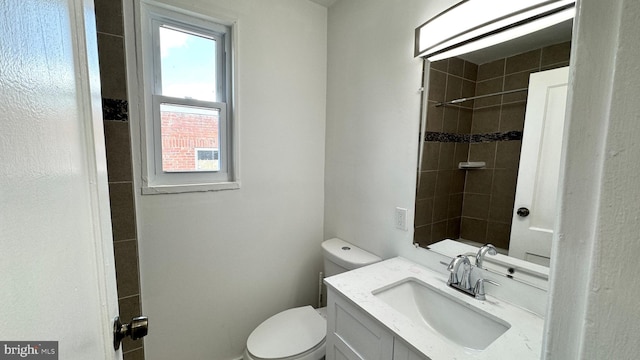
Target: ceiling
column 325, row 3
column 552, row 35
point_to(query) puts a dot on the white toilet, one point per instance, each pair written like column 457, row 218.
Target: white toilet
column 299, row 333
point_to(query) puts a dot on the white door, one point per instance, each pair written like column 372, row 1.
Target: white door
column 57, row 274
column 537, row 190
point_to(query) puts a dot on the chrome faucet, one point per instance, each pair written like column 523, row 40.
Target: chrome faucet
column 487, row 248
column 462, row 283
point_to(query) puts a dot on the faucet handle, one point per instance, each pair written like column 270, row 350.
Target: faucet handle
column 479, row 289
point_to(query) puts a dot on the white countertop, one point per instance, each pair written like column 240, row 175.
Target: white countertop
column 523, row 340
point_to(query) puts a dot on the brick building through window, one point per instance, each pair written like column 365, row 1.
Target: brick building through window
column 190, row 140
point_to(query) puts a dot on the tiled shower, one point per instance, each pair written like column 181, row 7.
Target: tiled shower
column 117, row 138
column 477, row 204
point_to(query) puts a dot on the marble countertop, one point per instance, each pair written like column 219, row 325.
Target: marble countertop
column 523, row 340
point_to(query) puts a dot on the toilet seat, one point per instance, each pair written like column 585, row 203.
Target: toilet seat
column 293, row 333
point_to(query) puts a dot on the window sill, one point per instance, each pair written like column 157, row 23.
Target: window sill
column 179, row 189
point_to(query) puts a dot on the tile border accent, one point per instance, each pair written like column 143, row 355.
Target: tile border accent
column 431, row 136
column 114, row 109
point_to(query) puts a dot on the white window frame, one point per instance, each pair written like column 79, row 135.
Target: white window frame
column 150, row 16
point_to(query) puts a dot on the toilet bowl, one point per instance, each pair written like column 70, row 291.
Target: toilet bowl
column 300, row 333
column 297, row 333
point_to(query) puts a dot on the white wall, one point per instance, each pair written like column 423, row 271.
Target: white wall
column 594, row 306
column 214, row 265
column 373, row 111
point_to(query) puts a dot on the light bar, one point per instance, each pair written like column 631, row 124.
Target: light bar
column 472, row 20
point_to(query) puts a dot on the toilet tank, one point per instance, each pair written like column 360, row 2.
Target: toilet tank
column 340, row 256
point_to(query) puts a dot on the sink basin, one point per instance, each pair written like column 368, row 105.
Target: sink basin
column 454, row 319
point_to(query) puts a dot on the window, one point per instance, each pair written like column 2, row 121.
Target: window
column 187, row 117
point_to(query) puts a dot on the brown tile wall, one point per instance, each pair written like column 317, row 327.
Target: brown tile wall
column 440, row 193
column 490, row 193
column 117, row 139
column 475, row 205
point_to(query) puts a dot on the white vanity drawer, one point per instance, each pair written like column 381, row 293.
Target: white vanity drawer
column 403, row 352
column 352, row 335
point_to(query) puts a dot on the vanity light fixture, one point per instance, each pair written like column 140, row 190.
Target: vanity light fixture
column 476, row 24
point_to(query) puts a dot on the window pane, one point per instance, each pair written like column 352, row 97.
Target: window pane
column 190, row 140
column 188, row 65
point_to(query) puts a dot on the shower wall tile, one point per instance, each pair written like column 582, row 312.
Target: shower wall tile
column 453, row 228
column 447, row 155
column 109, row 16
column 516, row 81
column 122, row 211
column 430, row 156
column 455, row 206
column 424, row 211
column 479, row 181
column 504, row 182
column 465, row 121
column 454, row 88
column 491, row 70
column 118, row 148
column 441, row 182
column 111, row 56
column 556, row 54
column 473, row 229
column 137, row 354
column 427, row 185
column 483, row 152
column 434, row 117
column 501, row 208
column 439, row 230
column 422, row 235
column 470, row 71
column 476, row 206
column 508, row 154
column 457, row 182
column 441, row 65
column 437, row 85
column 440, row 209
column 126, row 263
column 512, row 116
column 468, row 90
column 461, row 155
column 451, row 118
column 525, row 61
column 488, row 87
column 456, row 67
column 112, row 66
column 499, row 234
column 486, row 120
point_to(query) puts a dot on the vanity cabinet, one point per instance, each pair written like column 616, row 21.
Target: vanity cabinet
column 354, row 335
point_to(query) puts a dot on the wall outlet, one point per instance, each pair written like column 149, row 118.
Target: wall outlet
column 401, row 219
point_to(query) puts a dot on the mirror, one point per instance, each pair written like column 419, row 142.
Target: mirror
column 471, row 150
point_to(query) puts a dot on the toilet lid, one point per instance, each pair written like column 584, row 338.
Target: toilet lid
column 288, row 333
